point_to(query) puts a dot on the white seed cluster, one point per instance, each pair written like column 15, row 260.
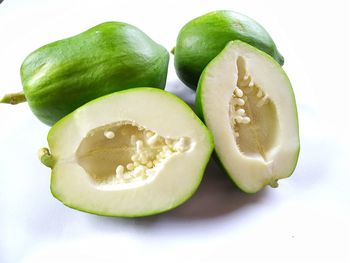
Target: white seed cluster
column 250, row 86
column 245, row 86
column 150, row 150
column 238, row 114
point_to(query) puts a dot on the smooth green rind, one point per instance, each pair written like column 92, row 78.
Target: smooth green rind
column 59, row 77
column 148, row 213
column 200, row 110
column 203, row 38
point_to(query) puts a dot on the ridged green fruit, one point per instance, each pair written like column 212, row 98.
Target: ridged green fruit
column 203, row 38
column 61, row 76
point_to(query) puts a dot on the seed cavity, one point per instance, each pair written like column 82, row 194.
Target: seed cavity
column 124, row 152
column 253, row 116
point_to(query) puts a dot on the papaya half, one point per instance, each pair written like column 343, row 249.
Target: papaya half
column 61, row 76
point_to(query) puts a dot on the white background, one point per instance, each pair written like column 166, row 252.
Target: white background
column 306, row 219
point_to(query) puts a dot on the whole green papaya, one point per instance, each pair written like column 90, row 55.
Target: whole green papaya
column 203, row 38
column 61, row 76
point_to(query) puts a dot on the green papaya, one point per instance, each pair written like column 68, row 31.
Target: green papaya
column 61, row 76
column 204, row 37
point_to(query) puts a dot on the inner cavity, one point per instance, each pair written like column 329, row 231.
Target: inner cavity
column 253, row 116
column 125, row 152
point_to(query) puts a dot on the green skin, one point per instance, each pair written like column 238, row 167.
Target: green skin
column 61, row 76
column 203, row 38
column 201, row 112
column 49, row 160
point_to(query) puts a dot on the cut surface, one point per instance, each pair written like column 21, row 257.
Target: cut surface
column 248, row 103
column 131, row 153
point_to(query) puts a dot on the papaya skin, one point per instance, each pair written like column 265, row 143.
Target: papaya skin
column 204, row 37
column 61, row 76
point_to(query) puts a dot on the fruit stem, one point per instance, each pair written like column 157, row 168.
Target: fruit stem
column 46, row 158
column 14, row 98
column 274, row 183
column 172, row 51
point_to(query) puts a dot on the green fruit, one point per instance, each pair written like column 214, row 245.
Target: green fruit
column 203, row 38
column 248, row 103
column 59, row 77
column 132, row 153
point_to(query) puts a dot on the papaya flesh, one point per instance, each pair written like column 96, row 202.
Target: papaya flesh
column 61, row 76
